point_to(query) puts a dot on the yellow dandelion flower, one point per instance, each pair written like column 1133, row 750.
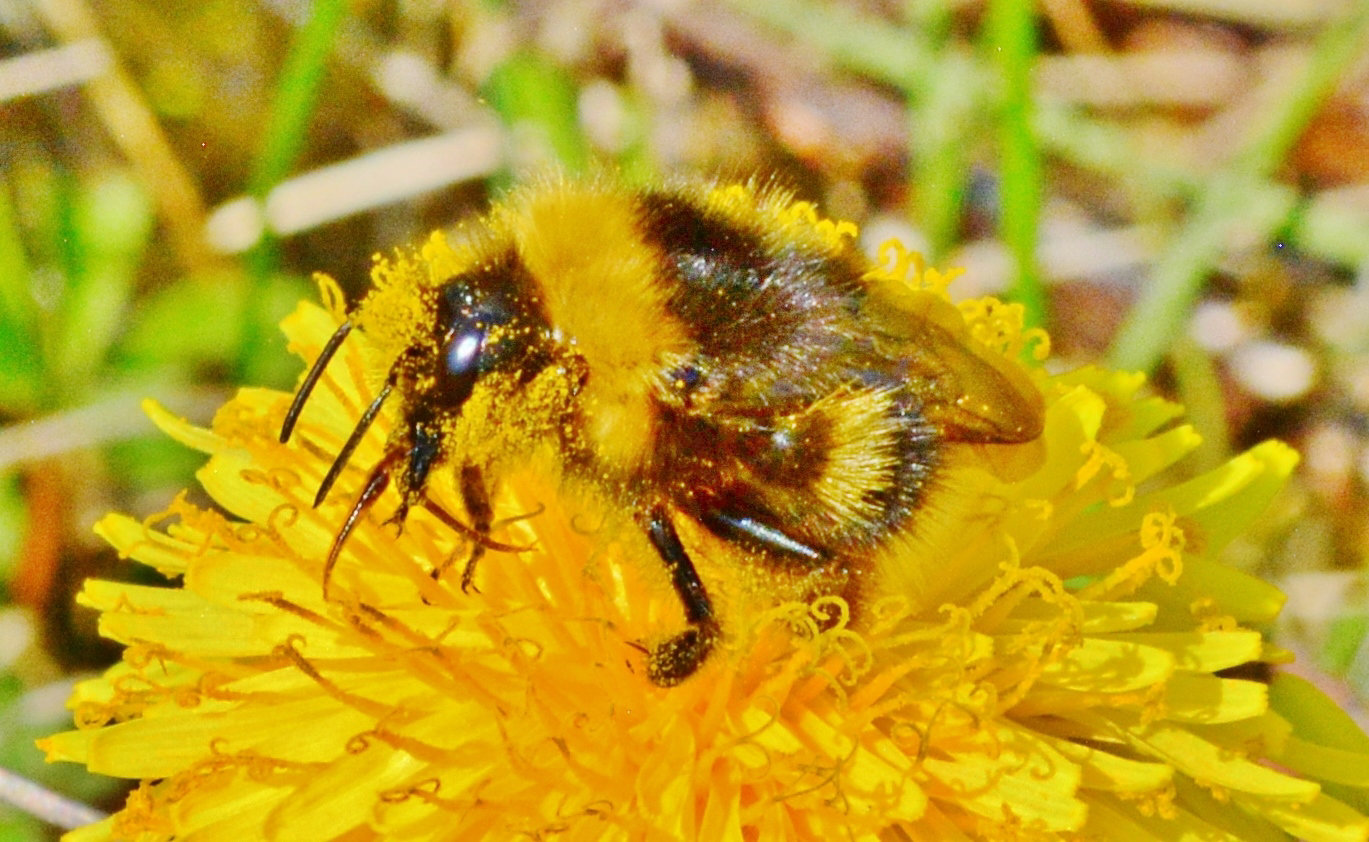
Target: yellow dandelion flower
column 1054, row 654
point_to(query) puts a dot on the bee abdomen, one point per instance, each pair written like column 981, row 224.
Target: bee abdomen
column 840, row 473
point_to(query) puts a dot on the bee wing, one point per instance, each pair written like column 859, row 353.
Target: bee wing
column 970, row 392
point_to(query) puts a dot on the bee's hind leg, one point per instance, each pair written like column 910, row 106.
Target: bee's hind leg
column 679, row 657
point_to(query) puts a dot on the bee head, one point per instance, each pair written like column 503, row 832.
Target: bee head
column 485, row 348
column 478, row 377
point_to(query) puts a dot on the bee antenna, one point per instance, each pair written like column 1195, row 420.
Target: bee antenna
column 376, row 483
column 359, row 431
column 311, row 379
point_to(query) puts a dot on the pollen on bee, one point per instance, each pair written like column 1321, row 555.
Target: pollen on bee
column 717, row 361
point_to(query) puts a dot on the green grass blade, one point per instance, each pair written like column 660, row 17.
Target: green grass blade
column 296, row 96
column 111, row 227
column 21, row 364
column 941, row 125
column 538, row 100
column 856, row 42
column 1011, row 39
column 1237, row 195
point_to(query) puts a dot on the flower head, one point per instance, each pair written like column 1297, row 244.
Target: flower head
column 1053, row 653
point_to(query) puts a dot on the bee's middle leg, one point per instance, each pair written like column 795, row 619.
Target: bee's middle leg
column 475, row 496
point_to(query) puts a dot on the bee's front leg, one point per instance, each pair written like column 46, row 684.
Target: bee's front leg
column 679, row 657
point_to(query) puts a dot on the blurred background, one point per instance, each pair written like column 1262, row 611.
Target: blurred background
column 1174, row 186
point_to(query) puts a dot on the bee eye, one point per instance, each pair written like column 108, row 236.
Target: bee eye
column 462, row 352
column 460, row 364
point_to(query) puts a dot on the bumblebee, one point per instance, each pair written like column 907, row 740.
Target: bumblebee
column 695, row 352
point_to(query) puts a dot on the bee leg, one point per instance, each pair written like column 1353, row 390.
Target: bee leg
column 479, row 534
column 754, row 531
column 476, row 498
column 676, row 659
